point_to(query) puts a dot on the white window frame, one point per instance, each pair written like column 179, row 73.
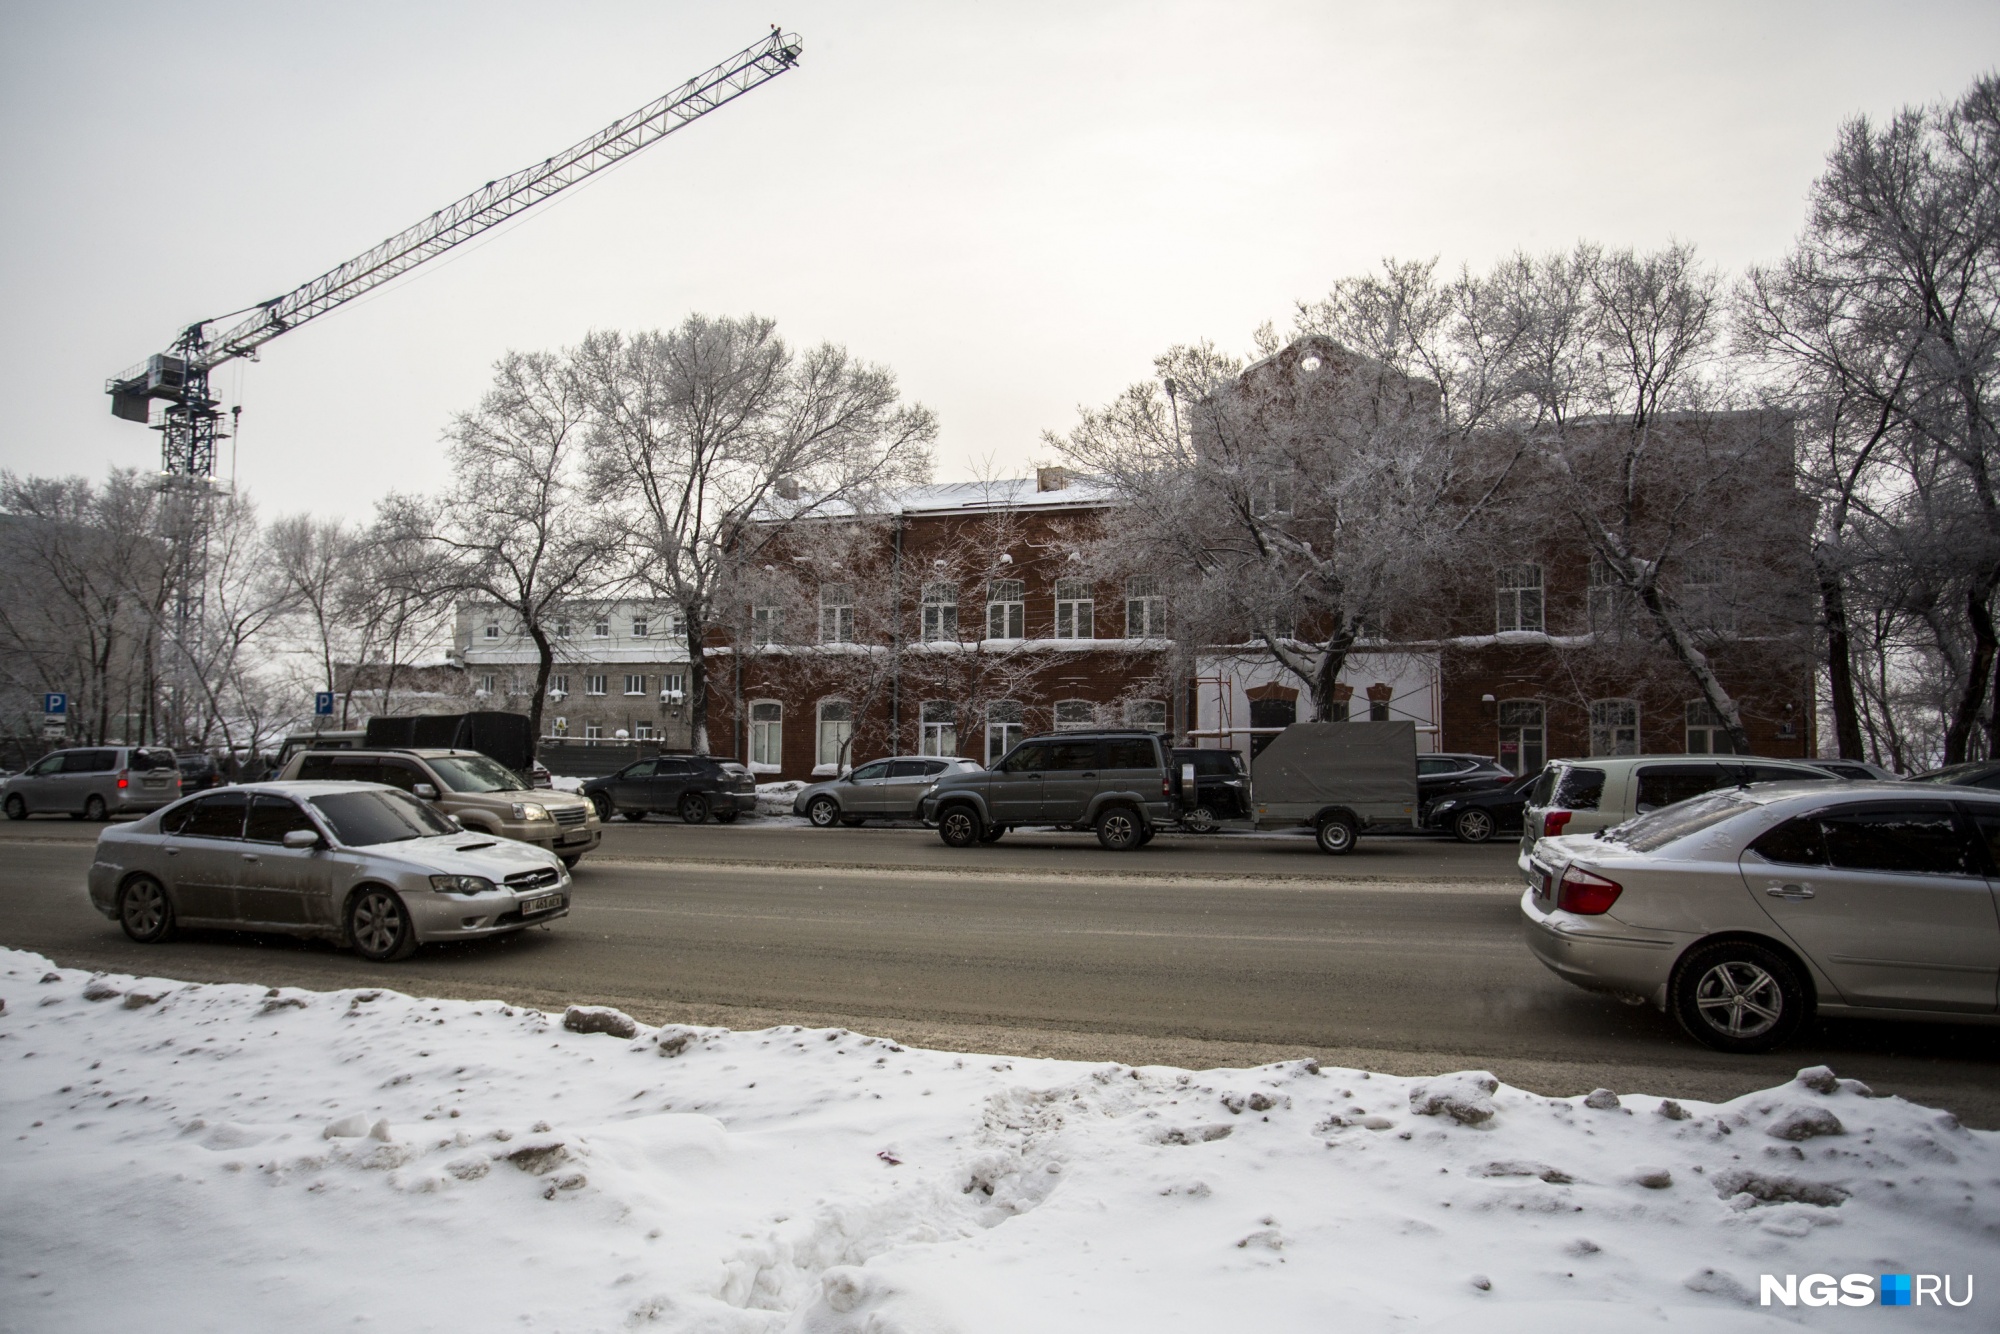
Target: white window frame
column 836, row 614
column 593, row 731
column 1614, row 727
column 1145, row 608
column 601, row 628
column 835, row 736
column 1525, row 722
column 938, row 721
column 1076, row 609
column 1006, row 609
column 767, row 626
column 562, row 628
column 640, row 625
column 642, row 730
column 1150, row 714
column 767, row 735
column 488, row 682
column 1519, row 599
column 493, row 629
column 1707, row 587
column 1082, row 715
column 635, row 683
column 596, row 683
column 1707, row 734
column 939, row 613
column 674, row 681
column 1006, row 724
column 559, row 682
column 1609, row 604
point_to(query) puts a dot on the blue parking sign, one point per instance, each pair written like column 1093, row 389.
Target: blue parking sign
column 323, row 704
column 55, row 704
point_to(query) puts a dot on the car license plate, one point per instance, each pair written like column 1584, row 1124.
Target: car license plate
column 542, row 904
column 583, row 837
column 1544, row 882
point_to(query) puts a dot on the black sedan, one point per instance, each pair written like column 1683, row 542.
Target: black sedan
column 690, row 786
column 1474, row 817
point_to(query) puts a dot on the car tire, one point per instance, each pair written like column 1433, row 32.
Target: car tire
column 1119, row 829
column 606, row 808
column 726, row 817
column 569, row 860
column 1146, row 835
column 1472, row 825
column 1200, row 820
column 95, row 811
column 992, row 833
column 1335, row 835
column 634, row 816
column 853, row 821
column 1739, row 996
column 145, row 911
column 960, row 826
column 379, row 926
column 824, row 812
column 15, row 807
column 694, row 808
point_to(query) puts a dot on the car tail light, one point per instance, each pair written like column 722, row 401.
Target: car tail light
column 1553, row 822
column 1166, row 785
column 1587, row 894
column 124, row 778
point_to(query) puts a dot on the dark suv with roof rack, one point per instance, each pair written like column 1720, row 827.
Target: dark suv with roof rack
column 1118, row 783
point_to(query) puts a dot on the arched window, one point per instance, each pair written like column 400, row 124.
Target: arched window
column 1150, row 714
column 1075, row 602
column 1524, row 745
column 836, row 734
column 940, row 612
column 1075, row 715
column 1614, row 727
column 1145, row 608
column 767, row 739
column 836, row 614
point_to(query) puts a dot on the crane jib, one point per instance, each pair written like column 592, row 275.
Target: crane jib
column 181, row 373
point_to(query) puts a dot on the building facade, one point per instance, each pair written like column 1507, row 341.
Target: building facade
column 620, row 670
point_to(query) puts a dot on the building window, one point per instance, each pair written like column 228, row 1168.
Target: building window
column 593, row 732
column 1145, row 608
column 635, row 684
column 767, row 626
column 836, row 614
column 1524, row 743
column 940, row 612
column 562, row 628
column 1005, row 726
column 639, row 627
column 836, row 733
column 561, row 727
column 492, row 630
column 767, row 741
column 487, row 682
column 1150, row 714
column 673, row 687
column 1707, row 734
column 601, row 629
column 642, row 731
column 1610, row 602
column 1518, row 597
column 1075, row 715
column 1006, row 613
column 559, row 684
column 1614, row 727
column 595, row 685
column 940, row 728
column 1706, row 595
column 1074, row 607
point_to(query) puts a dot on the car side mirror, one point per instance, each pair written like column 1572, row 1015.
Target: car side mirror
column 424, row 791
column 301, row 838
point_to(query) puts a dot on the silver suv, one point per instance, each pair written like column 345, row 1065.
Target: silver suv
column 1584, row 796
column 1117, row 783
column 879, row 790
column 94, row 783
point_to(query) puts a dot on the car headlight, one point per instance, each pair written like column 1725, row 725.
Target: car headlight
column 530, row 810
column 461, row 884
column 1442, row 807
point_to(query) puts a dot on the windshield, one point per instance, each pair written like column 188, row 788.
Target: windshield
column 1656, row 829
column 364, row 819
column 1953, row 773
column 475, row 773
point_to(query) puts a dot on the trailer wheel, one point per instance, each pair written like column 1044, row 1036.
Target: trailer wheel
column 1335, row 834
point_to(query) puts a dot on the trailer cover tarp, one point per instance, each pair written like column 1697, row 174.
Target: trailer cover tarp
column 1338, row 764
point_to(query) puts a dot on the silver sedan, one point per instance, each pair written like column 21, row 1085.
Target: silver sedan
column 357, row 863
column 1744, row 911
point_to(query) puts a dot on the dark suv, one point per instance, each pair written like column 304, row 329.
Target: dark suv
column 1222, row 787
column 690, row 786
column 1117, row 783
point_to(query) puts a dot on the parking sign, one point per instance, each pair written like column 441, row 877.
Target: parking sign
column 323, row 704
column 55, row 704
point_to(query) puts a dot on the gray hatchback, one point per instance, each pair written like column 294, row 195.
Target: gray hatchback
column 94, row 783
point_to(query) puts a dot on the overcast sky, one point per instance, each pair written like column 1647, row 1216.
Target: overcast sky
column 1013, row 205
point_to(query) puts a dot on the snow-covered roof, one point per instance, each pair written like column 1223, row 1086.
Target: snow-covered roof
column 1006, row 493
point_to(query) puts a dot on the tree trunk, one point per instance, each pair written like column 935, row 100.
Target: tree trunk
column 1698, row 667
column 1839, row 666
column 697, row 692
column 1977, row 671
column 1331, row 661
column 544, row 664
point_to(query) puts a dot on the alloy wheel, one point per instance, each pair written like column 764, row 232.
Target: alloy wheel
column 378, row 923
column 1739, row 999
column 143, row 910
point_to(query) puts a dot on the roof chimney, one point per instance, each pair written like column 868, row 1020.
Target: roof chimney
column 1051, row 479
column 787, row 488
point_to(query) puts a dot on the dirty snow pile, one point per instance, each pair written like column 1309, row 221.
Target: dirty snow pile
column 183, row 1157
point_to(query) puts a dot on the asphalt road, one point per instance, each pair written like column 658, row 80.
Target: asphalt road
column 1404, row 957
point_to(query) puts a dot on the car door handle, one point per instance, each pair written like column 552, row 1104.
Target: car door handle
column 171, row 852
column 1086, row 775
column 1790, row 892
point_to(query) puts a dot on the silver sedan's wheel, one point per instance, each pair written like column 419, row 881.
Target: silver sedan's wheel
column 824, row 812
column 1739, row 996
column 144, row 910
column 380, row 926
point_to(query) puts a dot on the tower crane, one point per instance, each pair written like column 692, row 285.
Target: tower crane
column 179, row 376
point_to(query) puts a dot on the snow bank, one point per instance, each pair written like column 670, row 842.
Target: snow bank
column 776, row 798
column 188, row 1157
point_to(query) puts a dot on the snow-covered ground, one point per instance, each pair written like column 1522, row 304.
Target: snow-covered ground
column 187, row 1157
